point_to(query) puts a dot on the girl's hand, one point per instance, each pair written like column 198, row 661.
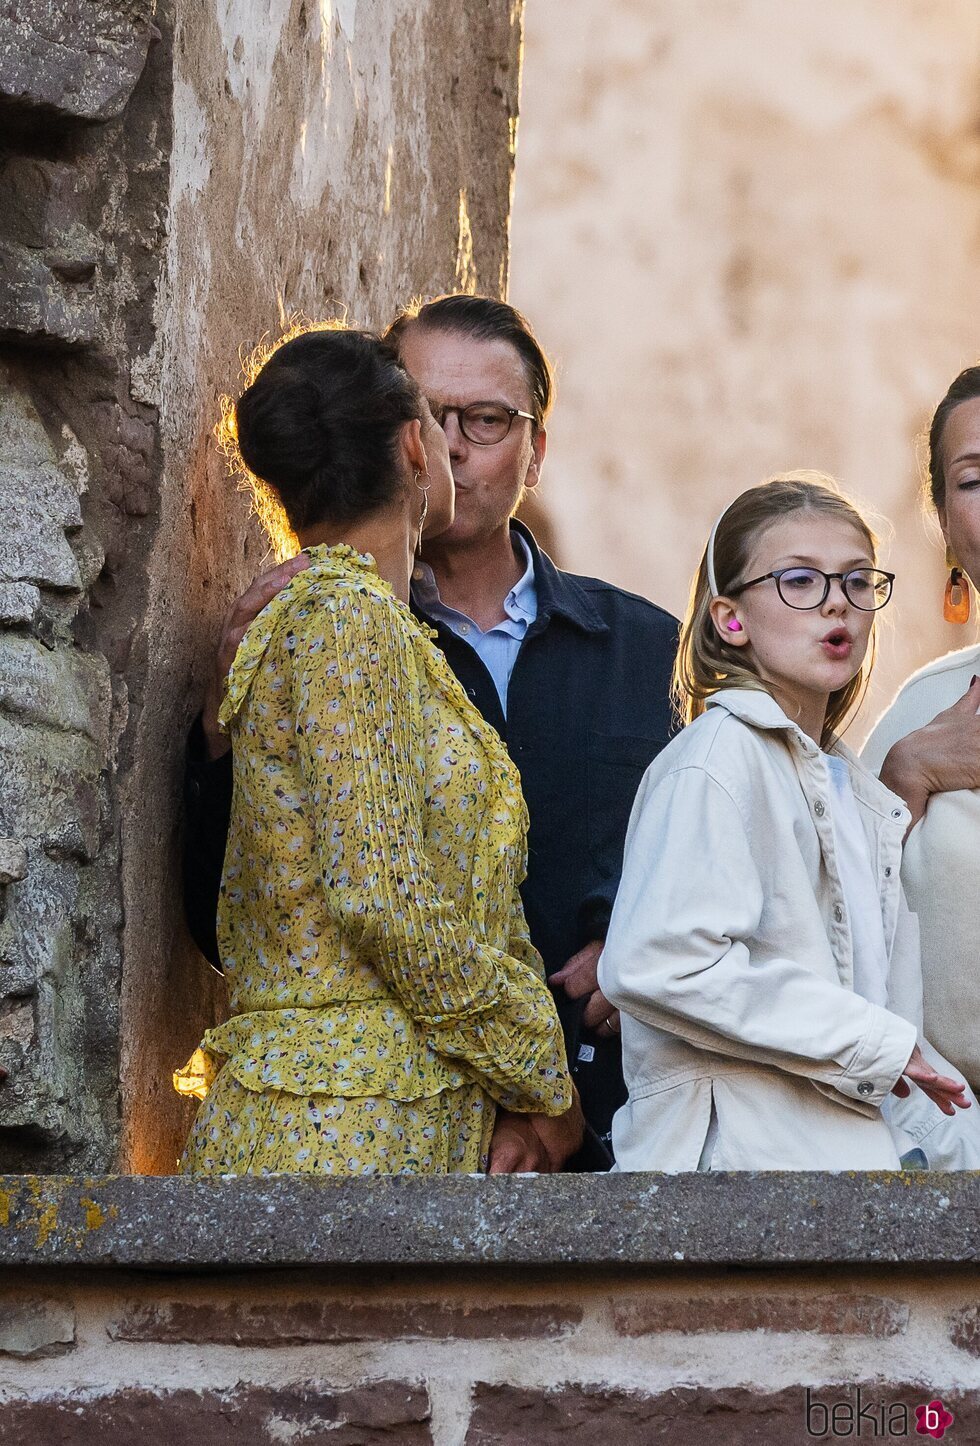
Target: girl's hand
column 948, row 1094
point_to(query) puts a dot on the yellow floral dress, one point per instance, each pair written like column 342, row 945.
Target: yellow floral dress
column 384, row 992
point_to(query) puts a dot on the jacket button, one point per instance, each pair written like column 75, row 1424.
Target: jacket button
column 819, row 809
column 866, row 1087
column 838, row 913
column 896, row 813
column 888, row 872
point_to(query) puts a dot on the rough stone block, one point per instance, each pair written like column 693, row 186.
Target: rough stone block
column 19, row 602
column 848, row 1315
column 33, row 547
column 382, row 1412
column 39, row 503
column 79, row 58
column 248, row 1323
column 24, row 440
column 57, row 688
column 35, row 1328
column 40, row 294
column 17, row 1022
column 53, row 495
column 41, row 203
column 13, row 861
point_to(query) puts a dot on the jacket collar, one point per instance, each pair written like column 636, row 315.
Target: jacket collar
column 760, row 710
column 559, row 592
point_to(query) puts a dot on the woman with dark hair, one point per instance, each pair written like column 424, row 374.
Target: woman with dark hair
column 927, row 746
column 384, row 994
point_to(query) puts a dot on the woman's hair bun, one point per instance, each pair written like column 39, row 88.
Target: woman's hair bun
column 320, row 423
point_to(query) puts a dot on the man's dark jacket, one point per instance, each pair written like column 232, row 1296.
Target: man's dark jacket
column 587, row 710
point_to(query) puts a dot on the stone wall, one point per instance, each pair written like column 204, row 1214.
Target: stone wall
column 750, row 233
column 82, row 89
column 175, row 180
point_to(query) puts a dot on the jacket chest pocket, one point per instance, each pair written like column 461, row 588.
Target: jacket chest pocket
column 615, row 765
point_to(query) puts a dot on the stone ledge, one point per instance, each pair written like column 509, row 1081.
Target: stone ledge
column 653, row 1221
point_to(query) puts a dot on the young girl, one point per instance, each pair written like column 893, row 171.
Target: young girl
column 760, row 948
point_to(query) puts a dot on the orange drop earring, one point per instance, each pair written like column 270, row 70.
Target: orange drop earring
column 956, row 600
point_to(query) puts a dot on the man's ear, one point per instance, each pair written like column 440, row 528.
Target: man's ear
column 413, row 447
column 728, row 625
column 539, row 446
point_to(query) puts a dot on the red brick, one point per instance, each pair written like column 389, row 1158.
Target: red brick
column 379, row 1414
column 688, row 1416
column 964, row 1330
column 254, row 1324
column 836, row 1315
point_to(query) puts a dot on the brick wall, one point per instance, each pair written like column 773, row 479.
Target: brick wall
column 458, row 1359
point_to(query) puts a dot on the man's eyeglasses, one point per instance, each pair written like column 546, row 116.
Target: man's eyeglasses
column 803, row 588
column 481, row 422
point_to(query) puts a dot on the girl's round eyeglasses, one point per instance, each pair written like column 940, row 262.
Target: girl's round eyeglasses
column 803, row 588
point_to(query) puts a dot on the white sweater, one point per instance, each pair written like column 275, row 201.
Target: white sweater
column 941, row 869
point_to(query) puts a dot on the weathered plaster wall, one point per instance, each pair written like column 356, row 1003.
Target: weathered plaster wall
column 174, row 180
column 325, row 158
column 750, row 231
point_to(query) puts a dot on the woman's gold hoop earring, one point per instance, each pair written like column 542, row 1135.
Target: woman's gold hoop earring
column 956, row 600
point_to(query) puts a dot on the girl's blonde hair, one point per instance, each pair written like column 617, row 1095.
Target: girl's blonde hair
column 706, row 662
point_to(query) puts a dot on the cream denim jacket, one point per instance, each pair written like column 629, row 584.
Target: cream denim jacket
column 730, row 954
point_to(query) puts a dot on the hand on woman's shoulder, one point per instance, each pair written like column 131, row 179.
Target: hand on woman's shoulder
column 927, row 692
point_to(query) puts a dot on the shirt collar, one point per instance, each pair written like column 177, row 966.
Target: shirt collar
column 520, row 604
column 760, row 709
column 555, row 591
column 425, row 589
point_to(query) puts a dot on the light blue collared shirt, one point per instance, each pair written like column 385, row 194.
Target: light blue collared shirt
column 499, row 646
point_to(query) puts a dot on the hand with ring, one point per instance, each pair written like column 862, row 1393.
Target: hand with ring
column 610, row 1026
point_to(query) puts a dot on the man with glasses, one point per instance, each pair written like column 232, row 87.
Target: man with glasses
column 573, row 673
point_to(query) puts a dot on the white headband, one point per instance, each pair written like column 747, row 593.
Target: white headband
column 710, row 552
